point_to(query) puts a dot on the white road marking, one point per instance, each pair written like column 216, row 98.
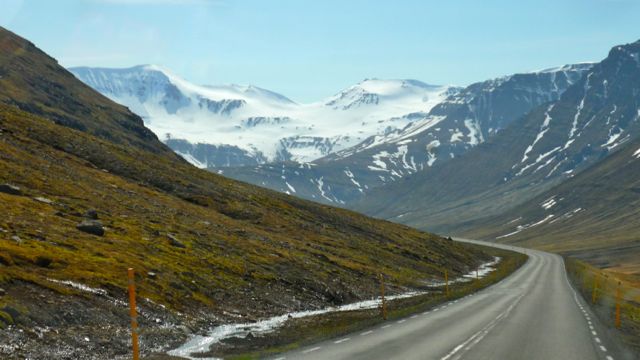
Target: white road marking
column 280, row 358
column 609, row 357
column 366, row 333
column 386, row 326
column 341, row 340
column 311, row 350
column 414, row 316
column 603, row 348
column 597, row 340
column 401, row 321
column 477, row 337
column 594, row 333
column 426, row 312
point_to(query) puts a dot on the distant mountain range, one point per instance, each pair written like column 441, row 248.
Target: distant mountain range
column 233, row 125
column 332, row 151
column 460, row 122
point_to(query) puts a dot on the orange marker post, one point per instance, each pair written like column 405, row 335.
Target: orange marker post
column 133, row 314
column 446, row 281
column 594, row 293
column 383, row 305
column 618, row 299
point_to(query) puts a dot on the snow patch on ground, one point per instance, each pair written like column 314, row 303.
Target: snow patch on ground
column 79, row 286
column 200, row 343
column 522, row 228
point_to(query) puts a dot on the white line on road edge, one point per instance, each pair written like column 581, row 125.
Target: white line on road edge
column 311, row 350
column 386, row 326
column 280, row 358
column 586, row 315
column 401, row 321
column 341, row 340
column 414, row 316
column 366, row 333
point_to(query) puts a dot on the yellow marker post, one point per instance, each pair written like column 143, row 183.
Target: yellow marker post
column 133, row 314
column 446, row 281
column 618, row 299
column 383, row 307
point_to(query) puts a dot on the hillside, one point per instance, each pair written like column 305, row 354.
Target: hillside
column 87, row 192
column 593, row 119
column 454, row 126
column 591, row 216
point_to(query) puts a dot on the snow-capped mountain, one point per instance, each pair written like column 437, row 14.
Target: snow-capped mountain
column 594, row 118
column 233, row 125
column 457, row 124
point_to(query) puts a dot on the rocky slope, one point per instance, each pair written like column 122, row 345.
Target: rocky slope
column 87, row 192
column 457, row 124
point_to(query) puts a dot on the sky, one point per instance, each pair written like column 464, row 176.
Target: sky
column 309, row 50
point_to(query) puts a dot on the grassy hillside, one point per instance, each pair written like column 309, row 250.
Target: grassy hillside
column 204, row 247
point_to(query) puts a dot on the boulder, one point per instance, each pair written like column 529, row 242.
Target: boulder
column 173, row 240
column 10, row 189
column 91, row 214
column 93, row 227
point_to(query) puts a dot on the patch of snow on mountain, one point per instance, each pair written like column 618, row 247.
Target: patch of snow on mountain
column 475, row 134
column 549, row 203
column 543, row 130
column 522, row 228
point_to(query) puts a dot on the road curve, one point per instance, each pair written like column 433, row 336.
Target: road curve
column 532, row 314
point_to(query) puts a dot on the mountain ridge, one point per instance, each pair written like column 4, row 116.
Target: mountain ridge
column 264, row 126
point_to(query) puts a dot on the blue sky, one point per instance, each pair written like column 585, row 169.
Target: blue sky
column 309, row 50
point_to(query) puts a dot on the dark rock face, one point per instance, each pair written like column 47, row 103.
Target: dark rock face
column 93, row 227
column 10, row 189
column 216, row 156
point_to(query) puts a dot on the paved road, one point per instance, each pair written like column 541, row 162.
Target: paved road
column 532, row 314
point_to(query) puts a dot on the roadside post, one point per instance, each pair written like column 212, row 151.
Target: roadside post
column 618, row 299
column 594, row 292
column 383, row 305
column 133, row 314
column 446, row 281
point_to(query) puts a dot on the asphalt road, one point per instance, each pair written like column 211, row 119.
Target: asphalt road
column 532, row 314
